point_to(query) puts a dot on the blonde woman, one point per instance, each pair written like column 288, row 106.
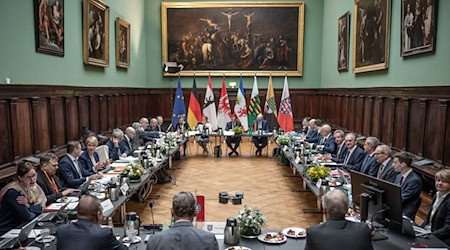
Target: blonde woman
column 89, row 159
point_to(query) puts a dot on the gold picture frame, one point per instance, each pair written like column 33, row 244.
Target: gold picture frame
column 234, row 38
column 95, row 33
column 122, row 43
column 371, row 30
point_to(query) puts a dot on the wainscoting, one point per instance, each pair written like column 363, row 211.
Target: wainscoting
column 38, row 118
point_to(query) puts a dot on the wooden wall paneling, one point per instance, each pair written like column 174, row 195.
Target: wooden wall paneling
column 41, row 124
column 416, row 131
column 6, row 149
column 111, row 111
column 126, row 109
column 338, row 110
column 84, row 112
column 367, row 120
column 344, row 112
column 94, row 113
column 401, row 124
column 377, row 117
column 335, row 109
column 58, row 122
column 434, row 129
column 21, row 127
column 119, row 112
column 136, row 107
column 359, row 117
column 72, row 120
column 388, row 121
column 103, row 104
column 446, row 160
column 314, row 105
column 351, row 118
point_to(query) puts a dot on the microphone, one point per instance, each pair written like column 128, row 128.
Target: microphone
column 168, row 128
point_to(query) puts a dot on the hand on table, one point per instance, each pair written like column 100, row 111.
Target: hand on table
column 69, row 191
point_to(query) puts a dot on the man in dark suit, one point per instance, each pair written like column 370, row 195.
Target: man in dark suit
column 326, row 141
column 341, row 148
column 87, row 233
column 47, row 179
column 161, row 126
column 355, row 155
column 385, row 170
column 151, row 133
column 370, row 165
column 313, row 133
column 182, row 234
column 409, row 182
column 337, row 232
column 128, row 138
column 305, row 125
column 260, row 142
column 235, row 139
column 438, row 217
column 69, row 170
column 115, row 145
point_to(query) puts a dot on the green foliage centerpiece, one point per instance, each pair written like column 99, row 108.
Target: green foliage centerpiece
column 314, row 173
column 238, row 130
column 250, row 219
column 284, row 139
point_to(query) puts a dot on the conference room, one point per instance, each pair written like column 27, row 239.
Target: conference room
column 276, row 107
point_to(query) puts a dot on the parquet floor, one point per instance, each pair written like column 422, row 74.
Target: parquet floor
column 260, row 178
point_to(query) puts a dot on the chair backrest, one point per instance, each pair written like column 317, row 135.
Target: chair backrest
column 103, row 152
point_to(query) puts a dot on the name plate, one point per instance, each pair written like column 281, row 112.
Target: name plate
column 154, row 162
column 319, row 183
column 107, row 205
column 297, row 160
column 285, row 148
column 124, row 189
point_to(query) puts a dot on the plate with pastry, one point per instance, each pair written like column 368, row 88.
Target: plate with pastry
column 273, row 238
column 294, row 232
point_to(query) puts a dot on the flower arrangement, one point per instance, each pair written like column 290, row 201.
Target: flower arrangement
column 250, row 220
column 315, row 173
column 173, row 137
column 238, row 130
column 135, row 171
column 284, row 139
column 162, row 146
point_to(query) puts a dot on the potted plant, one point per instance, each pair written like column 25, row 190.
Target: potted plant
column 238, row 130
column 314, row 173
column 250, row 219
column 284, row 139
column 135, row 171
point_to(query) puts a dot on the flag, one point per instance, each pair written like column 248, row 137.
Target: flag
column 240, row 108
column 224, row 112
column 209, row 106
column 178, row 107
column 270, row 107
column 254, row 106
column 194, row 111
column 285, row 116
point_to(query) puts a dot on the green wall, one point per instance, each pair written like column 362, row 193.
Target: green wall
column 20, row 62
column 311, row 60
column 425, row 69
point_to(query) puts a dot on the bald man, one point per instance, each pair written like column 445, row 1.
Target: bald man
column 144, row 122
column 87, row 233
column 326, row 140
column 260, row 141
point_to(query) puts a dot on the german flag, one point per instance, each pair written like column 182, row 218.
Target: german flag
column 194, row 115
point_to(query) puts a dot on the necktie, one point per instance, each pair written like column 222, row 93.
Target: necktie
column 129, row 144
column 364, row 164
column 75, row 162
column 347, row 158
column 338, row 154
column 401, row 180
column 380, row 171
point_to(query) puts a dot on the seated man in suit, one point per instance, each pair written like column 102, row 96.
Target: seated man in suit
column 116, row 147
column 341, row 148
column 337, row 232
column 128, row 138
column 236, row 140
column 385, row 170
column 144, row 123
column 313, row 133
column 370, row 165
column 409, row 182
column 86, row 233
column 70, row 172
column 161, row 126
column 260, row 142
column 138, row 140
column 151, row 133
column 181, row 128
column 326, row 141
column 47, row 179
column 355, row 155
column 182, row 234
column 438, row 217
column 305, row 125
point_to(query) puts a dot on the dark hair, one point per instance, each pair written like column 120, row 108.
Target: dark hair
column 404, row 157
column 24, row 168
column 307, row 119
column 184, row 204
column 72, row 145
column 46, row 157
column 319, row 122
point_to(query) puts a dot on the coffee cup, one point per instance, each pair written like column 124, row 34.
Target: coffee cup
column 131, row 234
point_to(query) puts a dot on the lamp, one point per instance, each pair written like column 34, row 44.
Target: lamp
column 172, row 67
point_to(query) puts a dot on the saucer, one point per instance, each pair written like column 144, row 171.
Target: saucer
column 47, row 239
column 136, row 240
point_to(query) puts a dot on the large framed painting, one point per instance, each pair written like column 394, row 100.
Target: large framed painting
column 95, row 33
column 371, row 29
column 49, row 26
column 343, row 41
column 234, row 38
column 122, row 43
column 418, row 26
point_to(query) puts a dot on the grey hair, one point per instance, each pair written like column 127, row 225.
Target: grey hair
column 130, row 130
column 338, row 131
column 117, row 132
column 136, row 125
column 385, row 149
column 373, row 142
column 184, row 204
column 336, row 204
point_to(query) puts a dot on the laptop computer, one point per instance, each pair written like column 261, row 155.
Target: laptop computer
column 83, row 189
column 11, row 243
column 412, row 230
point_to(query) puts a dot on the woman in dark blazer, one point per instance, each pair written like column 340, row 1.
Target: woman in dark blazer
column 89, row 160
column 438, row 218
